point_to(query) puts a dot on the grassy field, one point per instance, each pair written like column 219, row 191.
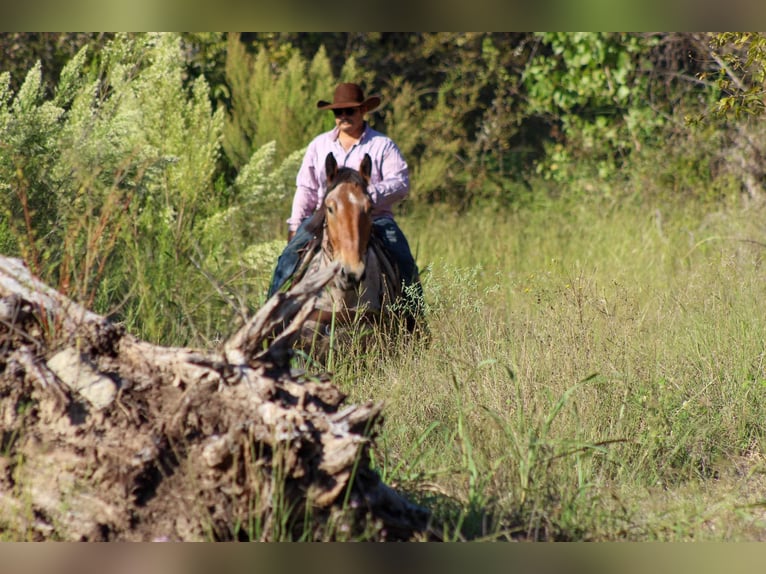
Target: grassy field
column 594, row 373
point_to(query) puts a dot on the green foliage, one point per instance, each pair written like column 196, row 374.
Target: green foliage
column 29, row 127
column 113, row 191
column 741, row 77
column 458, row 123
column 205, row 55
column 21, row 51
column 273, row 102
column 106, row 181
column 262, row 189
column 596, row 87
column 479, row 116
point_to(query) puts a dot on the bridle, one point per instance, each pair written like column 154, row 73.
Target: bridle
column 344, row 175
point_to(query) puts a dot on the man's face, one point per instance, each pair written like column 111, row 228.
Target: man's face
column 350, row 120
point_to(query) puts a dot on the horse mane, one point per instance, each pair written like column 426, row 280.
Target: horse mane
column 315, row 224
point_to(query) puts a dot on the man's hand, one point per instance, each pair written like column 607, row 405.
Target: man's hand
column 290, row 235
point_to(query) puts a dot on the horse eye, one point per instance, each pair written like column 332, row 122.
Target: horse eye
column 330, row 209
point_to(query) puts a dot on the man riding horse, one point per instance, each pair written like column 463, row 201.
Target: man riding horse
column 389, row 183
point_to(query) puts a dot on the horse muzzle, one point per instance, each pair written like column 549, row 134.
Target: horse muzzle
column 350, row 276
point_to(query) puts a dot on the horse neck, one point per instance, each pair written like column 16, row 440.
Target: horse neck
column 380, row 287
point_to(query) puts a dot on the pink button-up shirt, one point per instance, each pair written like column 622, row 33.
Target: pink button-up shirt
column 389, row 181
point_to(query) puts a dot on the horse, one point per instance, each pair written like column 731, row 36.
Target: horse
column 367, row 285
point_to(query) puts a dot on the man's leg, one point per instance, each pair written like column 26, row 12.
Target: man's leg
column 396, row 244
column 290, row 258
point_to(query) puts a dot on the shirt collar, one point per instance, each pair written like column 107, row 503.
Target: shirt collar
column 365, row 130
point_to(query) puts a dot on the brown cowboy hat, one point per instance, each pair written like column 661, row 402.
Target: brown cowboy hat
column 349, row 96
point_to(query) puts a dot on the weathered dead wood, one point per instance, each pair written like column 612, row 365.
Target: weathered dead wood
column 106, row 437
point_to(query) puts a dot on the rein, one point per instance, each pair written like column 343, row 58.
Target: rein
column 325, row 242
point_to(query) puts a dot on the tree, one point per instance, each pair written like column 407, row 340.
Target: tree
column 740, row 76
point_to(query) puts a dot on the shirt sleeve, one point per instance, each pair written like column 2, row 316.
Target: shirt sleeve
column 306, row 193
column 394, row 184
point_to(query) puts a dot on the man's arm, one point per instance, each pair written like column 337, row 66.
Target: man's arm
column 395, row 185
column 306, row 191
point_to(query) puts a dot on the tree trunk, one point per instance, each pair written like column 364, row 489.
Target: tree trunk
column 106, row 437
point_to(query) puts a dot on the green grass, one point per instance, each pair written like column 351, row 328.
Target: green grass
column 593, row 374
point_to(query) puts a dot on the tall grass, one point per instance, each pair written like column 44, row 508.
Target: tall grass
column 594, row 373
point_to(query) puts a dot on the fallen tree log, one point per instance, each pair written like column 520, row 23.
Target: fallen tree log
column 107, row 437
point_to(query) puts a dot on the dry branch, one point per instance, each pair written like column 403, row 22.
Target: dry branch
column 106, row 437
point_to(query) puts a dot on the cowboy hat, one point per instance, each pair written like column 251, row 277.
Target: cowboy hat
column 349, row 96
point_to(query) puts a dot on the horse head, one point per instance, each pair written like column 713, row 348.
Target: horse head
column 348, row 219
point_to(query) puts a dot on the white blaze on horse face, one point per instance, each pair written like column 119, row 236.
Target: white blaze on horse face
column 348, row 227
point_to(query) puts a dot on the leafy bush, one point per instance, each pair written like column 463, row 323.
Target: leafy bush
column 110, row 186
column 595, row 86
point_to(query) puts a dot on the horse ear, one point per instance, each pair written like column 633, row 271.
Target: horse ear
column 365, row 169
column 331, row 167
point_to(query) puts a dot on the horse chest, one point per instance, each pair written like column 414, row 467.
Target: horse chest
column 365, row 297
